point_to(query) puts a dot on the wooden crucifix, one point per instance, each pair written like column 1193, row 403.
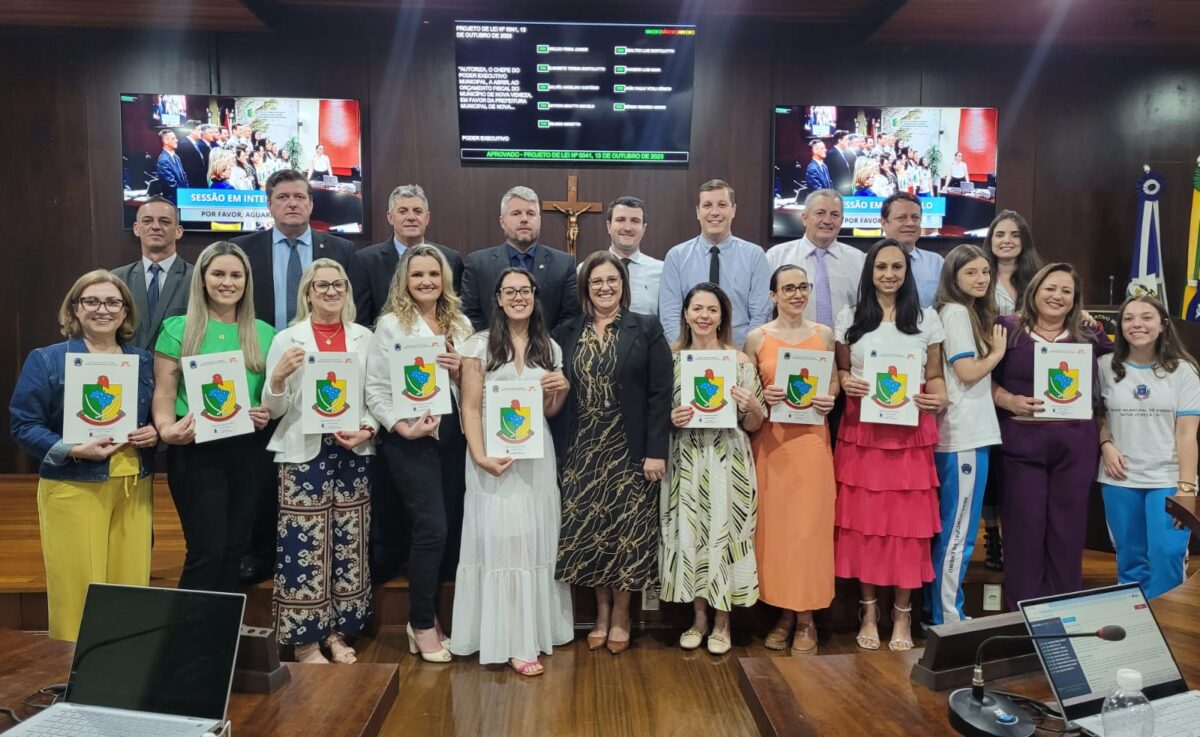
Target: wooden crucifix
column 572, row 208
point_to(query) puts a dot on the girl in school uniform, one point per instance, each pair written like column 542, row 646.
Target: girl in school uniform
column 1148, row 451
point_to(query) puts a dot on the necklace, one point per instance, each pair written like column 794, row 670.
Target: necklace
column 329, row 337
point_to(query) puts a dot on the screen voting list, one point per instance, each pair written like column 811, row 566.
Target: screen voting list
column 574, row 92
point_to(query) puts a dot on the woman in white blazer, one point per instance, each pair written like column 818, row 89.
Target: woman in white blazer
column 322, row 579
column 425, row 456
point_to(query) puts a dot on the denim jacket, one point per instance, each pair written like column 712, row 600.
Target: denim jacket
column 37, row 412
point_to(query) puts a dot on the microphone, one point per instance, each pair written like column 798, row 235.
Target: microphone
column 975, row 712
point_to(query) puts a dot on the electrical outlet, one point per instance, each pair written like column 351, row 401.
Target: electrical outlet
column 650, row 601
column 992, row 597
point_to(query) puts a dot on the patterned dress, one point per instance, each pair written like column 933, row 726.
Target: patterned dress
column 708, row 511
column 609, row 533
column 322, row 581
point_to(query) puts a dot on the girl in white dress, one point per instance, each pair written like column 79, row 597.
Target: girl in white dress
column 507, row 605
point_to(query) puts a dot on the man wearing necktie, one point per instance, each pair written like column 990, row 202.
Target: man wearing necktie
column 816, row 176
column 625, row 220
column 160, row 279
column 169, row 168
column 739, row 267
column 553, row 270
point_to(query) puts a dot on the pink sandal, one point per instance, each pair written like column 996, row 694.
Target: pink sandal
column 527, row 669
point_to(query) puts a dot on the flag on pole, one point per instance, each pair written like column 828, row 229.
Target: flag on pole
column 1146, row 277
column 1191, row 298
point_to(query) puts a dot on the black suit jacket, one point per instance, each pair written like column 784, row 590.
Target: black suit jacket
column 172, row 298
column 841, row 170
column 257, row 246
column 195, row 162
column 371, row 271
column 644, row 377
column 553, row 270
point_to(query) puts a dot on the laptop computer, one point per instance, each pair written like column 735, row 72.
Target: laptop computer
column 149, row 661
column 1083, row 671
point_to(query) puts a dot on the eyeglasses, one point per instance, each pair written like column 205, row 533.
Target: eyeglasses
column 608, row 281
column 513, row 292
column 337, row 285
column 789, row 290
column 92, row 304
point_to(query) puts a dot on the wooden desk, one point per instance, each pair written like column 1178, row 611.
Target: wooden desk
column 343, row 700
column 871, row 693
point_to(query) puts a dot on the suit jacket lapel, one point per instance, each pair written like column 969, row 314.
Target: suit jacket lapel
column 171, row 283
column 137, row 285
column 625, row 338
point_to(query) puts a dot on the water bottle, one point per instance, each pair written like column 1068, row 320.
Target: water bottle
column 1127, row 712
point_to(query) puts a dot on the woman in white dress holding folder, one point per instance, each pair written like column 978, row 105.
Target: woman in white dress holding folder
column 422, row 458
column 322, row 580
column 508, row 606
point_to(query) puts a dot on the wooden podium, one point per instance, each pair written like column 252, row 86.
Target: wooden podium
column 871, row 692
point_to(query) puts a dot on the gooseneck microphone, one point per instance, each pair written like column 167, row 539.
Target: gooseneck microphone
column 975, row 712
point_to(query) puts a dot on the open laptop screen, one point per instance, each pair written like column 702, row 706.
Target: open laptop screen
column 166, row 651
column 1082, row 671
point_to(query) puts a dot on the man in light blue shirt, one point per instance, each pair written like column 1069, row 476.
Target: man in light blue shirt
column 625, row 220
column 900, row 219
column 738, row 266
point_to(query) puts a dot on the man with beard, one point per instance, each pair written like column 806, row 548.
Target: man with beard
column 553, row 270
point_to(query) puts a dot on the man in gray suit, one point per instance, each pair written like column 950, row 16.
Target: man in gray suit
column 161, row 279
column 553, row 270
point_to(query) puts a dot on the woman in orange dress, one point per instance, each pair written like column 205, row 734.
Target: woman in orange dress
column 796, row 487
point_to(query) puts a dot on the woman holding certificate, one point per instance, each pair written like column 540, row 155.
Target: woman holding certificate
column 81, row 408
column 968, row 428
column 618, row 364
column 1148, row 444
column 889, row 361
column 421, row 443
column 507, row 605
column 708, row 504
column 1047, row 392
column 323, row 447
column 796, row 488
column 210, row 421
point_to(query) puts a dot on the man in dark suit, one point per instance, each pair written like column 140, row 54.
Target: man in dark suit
column 161, row 279
column 169, row 168
column 553, row 270
column 193, row 152
column 279, row 256
column 841, row 164
column 816, row 175
column 372, row 268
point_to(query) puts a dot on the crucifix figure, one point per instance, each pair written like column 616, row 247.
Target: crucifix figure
column 572, row 208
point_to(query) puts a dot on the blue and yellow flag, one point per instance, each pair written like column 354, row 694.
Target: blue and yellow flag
column 1191, row 299
column 1146, row 275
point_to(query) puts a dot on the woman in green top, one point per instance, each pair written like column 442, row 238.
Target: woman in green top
column 214, row 484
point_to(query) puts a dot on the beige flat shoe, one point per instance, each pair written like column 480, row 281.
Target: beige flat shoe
column 691, row 639
column 805, row 641
column 718, row 643
column 777, row 638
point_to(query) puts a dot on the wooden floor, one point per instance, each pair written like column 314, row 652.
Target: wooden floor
column 653, row 689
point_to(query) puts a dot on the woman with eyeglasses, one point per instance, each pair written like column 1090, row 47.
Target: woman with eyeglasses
column 94, row 498
column 618, row 364
column 796, row 488
column 322, row 590
column 215, row 484
column 507, row 605
column 424, row 455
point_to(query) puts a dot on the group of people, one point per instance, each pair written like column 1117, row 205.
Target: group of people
column 853, row 164
column 626, row 495
column 212, row 157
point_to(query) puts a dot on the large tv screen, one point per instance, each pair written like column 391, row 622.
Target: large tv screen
column 600, row 93
column 944, row 155
column 212, row 156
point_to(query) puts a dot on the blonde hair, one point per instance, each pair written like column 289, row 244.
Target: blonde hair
column 68, row 322
column 449, row 316
column 196, row 323
column 219, row 164
column 304, row 305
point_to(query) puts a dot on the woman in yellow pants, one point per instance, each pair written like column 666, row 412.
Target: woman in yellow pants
column 94, row 498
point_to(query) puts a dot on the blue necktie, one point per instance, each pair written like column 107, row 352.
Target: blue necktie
column 153, row 290
column 293, row 278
